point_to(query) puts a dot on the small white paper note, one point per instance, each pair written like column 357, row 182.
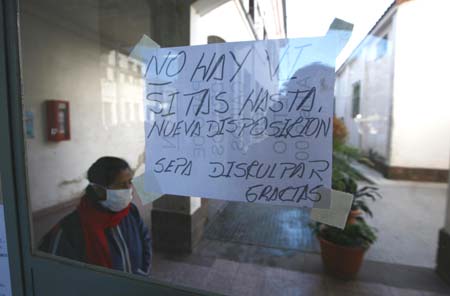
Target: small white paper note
column 337, row 214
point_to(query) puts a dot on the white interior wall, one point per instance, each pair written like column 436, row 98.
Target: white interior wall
column 421, row 125
column 64, row 64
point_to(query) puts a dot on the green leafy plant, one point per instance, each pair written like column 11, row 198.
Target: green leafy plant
column 344, row 178
column 375, row 156
column 360, row 197
column 359, row 234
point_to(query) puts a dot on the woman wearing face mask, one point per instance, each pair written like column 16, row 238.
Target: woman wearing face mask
column 106, row 228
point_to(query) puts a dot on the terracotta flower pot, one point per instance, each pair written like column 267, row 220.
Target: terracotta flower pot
column 341, row 261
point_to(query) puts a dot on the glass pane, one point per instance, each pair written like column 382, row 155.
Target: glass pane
column 83, row 100
column 86, row 104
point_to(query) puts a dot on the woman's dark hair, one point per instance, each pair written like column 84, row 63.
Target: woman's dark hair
column 105, row 170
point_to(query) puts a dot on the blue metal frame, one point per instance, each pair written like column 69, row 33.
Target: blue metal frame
column 6, row 166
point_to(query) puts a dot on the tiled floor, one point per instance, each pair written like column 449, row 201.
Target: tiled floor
column 400, row 263
column 408, row 218
column 264, row 225
column 233, row 278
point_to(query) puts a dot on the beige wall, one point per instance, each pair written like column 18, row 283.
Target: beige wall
column 65, row 59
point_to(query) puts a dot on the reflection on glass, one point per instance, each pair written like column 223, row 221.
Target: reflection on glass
column 106, row 229
column 79, row 52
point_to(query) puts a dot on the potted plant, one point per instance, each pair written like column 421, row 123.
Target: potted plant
column 343, row 182
column 359, row 204
column 343, row 250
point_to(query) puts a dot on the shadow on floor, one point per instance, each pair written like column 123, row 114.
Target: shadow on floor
column 263, row 225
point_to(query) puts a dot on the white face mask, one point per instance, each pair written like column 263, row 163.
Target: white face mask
column 116, row 199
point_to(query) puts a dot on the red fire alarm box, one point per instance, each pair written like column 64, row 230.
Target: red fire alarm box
column 58, row 120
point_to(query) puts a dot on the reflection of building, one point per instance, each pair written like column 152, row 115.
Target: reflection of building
column 121, row 89
column 394, row 111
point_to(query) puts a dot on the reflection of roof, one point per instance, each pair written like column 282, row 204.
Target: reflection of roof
column 358, row 47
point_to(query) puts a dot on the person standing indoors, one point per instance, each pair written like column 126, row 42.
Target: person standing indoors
column 106, row 228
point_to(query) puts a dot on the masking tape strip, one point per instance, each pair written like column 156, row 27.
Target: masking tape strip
column 336, row 215
column 145, row 196
column 139, row 50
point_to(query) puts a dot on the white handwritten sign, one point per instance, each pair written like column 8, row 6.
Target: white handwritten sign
column 245, row 121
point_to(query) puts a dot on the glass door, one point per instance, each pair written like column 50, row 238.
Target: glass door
column 71, row 96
